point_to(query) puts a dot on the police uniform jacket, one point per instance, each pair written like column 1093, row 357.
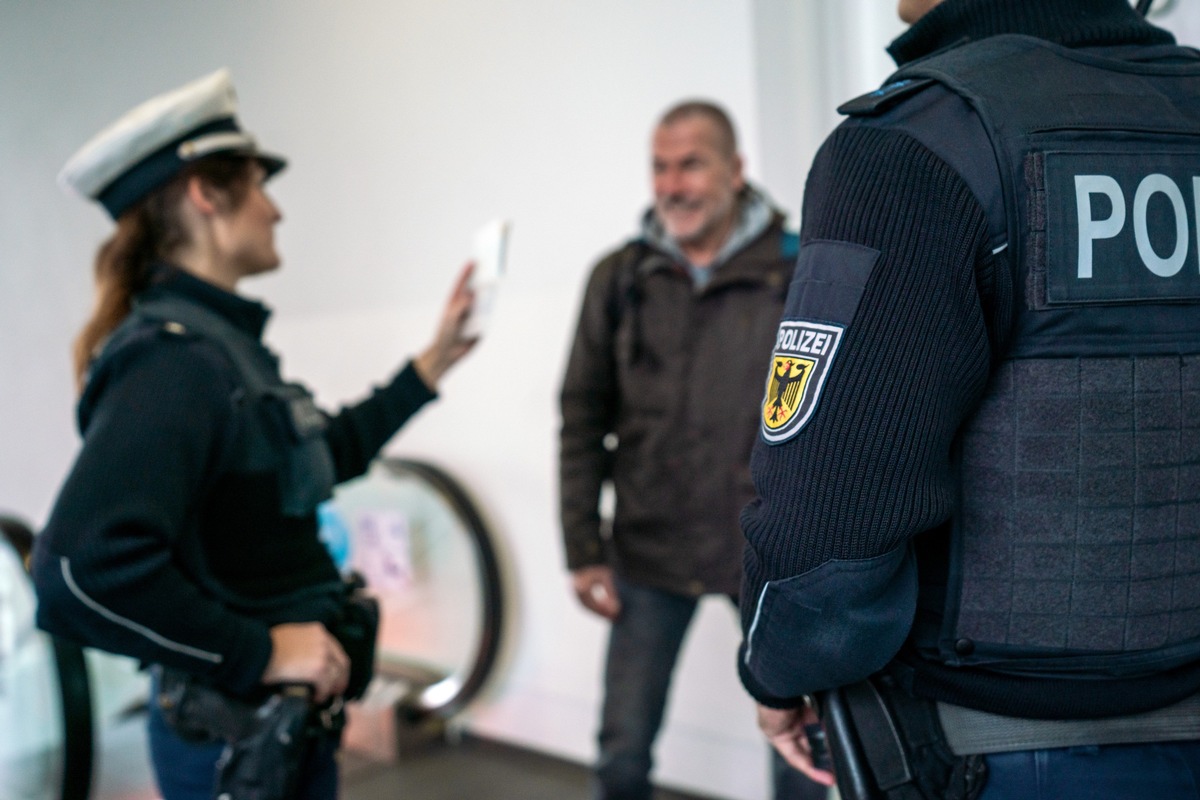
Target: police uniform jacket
column 660, row 397
column 904, row 305
column 171, row 541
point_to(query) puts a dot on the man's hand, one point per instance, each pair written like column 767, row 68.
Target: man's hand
column 784, row 729
column 597, row 590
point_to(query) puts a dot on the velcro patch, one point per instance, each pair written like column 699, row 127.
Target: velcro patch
column 800, row 364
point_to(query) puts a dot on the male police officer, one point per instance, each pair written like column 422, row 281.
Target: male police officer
column 665, row 357
column 978, row 538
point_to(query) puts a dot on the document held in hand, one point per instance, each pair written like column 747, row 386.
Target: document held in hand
column 488, row 254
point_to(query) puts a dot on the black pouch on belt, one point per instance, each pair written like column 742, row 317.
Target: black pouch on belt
column 356, row 630
column 900, row 739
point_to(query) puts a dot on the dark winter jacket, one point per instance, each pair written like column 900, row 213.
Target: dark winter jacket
column 662, row 396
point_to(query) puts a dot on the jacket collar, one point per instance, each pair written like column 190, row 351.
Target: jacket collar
column 1073, row 23
column 247, row 315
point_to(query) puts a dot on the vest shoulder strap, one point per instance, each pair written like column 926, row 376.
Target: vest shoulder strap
column 248, row 360
column 883, row 98
column 1107, row 116
column 622, row 289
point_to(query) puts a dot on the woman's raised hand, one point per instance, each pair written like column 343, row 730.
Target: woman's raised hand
column 450, row 342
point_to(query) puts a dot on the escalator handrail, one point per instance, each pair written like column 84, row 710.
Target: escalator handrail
column 74, row 685
column 76, row 695
column 449, row 696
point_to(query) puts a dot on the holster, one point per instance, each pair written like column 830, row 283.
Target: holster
column 266, row 761
column 199, row 713
column 267, row 737
column 265, row 743
column 888, row 745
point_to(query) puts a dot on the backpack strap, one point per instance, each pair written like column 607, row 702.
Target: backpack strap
column 625, row 297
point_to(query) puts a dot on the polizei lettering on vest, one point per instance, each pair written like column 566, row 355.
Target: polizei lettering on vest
column 1120, row 227
column 1174, row 241
column 799, row 340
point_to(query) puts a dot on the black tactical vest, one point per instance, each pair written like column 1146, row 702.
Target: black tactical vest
column 1076, row 546
column 282, row 430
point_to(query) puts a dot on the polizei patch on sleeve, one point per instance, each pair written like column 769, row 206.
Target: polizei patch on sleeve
column 800, row 363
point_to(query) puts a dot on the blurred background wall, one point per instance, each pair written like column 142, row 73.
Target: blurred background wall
column 408, row 124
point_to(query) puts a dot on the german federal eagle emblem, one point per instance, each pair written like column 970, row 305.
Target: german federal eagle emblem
column 799, row 366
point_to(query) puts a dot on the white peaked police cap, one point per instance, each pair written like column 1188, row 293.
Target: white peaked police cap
column 148, row 146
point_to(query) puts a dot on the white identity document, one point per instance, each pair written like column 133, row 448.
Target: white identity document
column 488, row 254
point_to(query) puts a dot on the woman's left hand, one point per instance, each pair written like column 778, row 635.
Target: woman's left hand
column 450, row 343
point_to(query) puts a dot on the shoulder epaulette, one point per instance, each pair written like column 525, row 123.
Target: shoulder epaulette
column 883, row 98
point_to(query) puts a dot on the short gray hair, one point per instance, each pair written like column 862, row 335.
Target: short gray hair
column 726, row 135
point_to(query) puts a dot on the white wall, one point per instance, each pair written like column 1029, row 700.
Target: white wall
column 408, row 124
column 811, row 57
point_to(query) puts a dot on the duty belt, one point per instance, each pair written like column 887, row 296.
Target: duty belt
column 970, row 732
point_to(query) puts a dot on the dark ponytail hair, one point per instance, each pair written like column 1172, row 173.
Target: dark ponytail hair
column 150, row 230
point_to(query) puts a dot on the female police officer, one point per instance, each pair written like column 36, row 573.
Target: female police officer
column 185, row 534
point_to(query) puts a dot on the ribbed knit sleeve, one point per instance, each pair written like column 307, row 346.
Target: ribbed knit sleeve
column 839, row 500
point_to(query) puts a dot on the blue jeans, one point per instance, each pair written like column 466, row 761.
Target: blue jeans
column 1160, row 771
column 643, row 647
column 187, row 771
